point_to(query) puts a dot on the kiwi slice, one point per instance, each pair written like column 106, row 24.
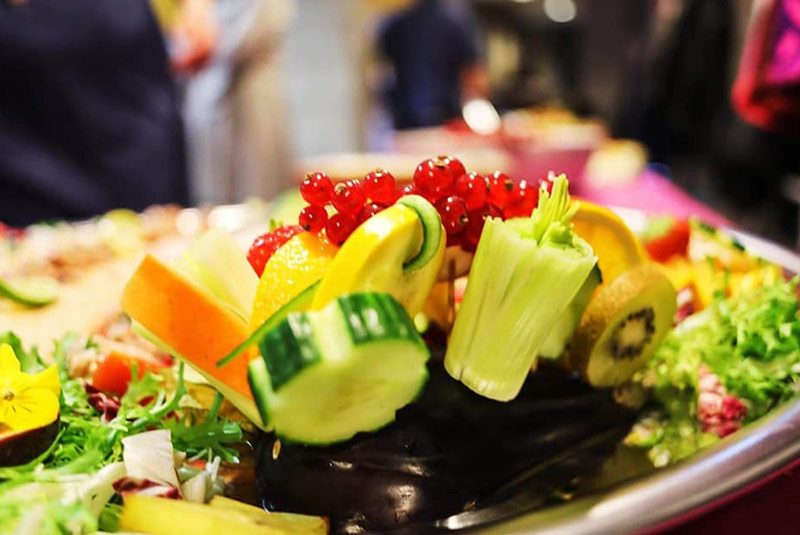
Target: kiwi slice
column 622, row 326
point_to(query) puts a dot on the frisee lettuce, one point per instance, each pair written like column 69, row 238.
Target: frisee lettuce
column 86, row 443
column 751, row 342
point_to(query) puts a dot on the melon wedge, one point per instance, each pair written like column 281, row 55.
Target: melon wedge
column 193, row 324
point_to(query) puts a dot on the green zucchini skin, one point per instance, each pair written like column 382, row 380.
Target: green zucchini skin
column 301, row 301
column 325, row 375
column 432, row 230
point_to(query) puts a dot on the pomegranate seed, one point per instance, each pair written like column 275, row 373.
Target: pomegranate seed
column 369, row 210
column 349, row 197
column 432, row 179
column 380, row 186
column 317, row 189
column 522, row 200
column 454, row 164
column 339, row 228
column 473, row 189
column 476, row 220
column 264, row 246
column 313, row 218
column 453, row 211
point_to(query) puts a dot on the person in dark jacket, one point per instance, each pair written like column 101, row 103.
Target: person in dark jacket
column 89, row 117
column 433, row 49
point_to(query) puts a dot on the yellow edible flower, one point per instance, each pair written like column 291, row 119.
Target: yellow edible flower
column 27, row 401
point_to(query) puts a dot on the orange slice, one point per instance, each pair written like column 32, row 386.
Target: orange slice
column 615, row 245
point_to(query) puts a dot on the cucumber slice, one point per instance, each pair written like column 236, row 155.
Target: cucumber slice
column 300, row 303
column 348, row 368
column 30, row 291
column 432, row 234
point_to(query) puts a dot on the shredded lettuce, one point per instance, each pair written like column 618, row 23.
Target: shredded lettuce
column 751, row 343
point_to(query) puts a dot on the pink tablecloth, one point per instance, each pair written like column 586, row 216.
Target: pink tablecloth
column 655, row 194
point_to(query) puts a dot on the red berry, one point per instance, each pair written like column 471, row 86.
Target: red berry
column 369, row 210
column 476, row 220
column 408, row 189
column 313, row 218
column 522, row 200
column 500, row 187
column 473, row 189
column 349, row 197
column 317, row 189
column 432, row 179
column 454, row 164
column 339, row 228
column 380, row 186
column 265, row 246
column 453, row 211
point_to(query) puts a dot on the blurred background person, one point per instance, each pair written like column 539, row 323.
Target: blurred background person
column 227, row 53
column 89, row 117
column 432, row 48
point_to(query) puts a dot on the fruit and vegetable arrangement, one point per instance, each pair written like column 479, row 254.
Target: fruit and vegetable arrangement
column 398, row 355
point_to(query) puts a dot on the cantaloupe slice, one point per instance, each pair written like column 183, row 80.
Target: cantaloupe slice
column 190, row 321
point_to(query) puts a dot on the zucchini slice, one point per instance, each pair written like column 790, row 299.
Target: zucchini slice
column 325, row 376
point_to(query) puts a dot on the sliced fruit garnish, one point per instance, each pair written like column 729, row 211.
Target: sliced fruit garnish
column 622, row 326
column 398, row 251
column 162, row 516
column 348, row 368
column 215, row 262
column 615, row 245
column 298, row 264
column 30, row 291
column 190, row 323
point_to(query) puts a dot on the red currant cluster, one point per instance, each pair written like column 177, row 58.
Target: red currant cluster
column 464, row 201
column 355, row 201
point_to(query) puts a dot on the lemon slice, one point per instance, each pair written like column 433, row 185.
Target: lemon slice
column 398, row 251
column 615, row 245
column 298, row 264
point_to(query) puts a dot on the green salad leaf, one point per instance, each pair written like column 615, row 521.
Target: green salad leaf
column 750, row 342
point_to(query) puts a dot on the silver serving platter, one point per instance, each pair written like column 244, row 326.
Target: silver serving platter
column 672, row 495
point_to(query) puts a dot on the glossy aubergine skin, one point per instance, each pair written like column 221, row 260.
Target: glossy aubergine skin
column 451, row 451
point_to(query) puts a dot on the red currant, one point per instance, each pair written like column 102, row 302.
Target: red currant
column 408, row 189
column 500, row 187
column 313, row 218
column 369, row 210
column 265, row 246
column 454, row 164
column 432, row 179
column 380, row 186
column 453, row 211
column 339, row 228
column 349, row 197
column 317, row 189
column 476, row 220
column 522, row 200
column 473, row 189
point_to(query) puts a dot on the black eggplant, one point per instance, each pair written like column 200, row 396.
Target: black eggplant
column 450, row 453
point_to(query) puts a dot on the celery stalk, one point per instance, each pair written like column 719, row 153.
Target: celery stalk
column 525, row 274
